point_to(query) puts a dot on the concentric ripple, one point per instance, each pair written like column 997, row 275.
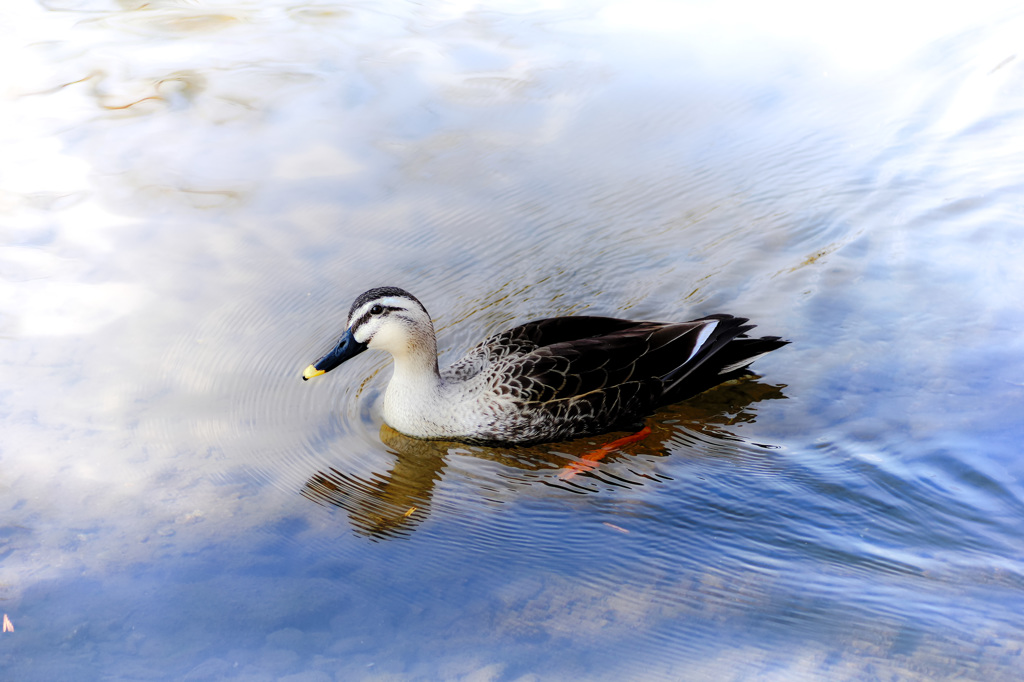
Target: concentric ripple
column 239, row 371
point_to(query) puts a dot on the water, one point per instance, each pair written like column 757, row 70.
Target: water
column 193, row 193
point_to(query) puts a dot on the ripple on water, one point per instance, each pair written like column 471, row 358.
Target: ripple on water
column 237, row 378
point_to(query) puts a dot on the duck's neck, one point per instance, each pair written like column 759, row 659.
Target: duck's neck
column 416, row 366
column 411, row 399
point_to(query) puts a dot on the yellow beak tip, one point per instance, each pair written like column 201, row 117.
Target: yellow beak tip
column 311, row 372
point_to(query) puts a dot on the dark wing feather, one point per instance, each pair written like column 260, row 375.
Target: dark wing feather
column 668, row 353
column 529, row 337
column 591, row 384
column 728, row 362
column 552, row 330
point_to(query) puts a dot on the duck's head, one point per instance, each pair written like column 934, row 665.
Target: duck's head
column 385, row 318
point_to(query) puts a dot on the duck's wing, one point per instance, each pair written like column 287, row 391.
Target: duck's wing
column 646, row 358
column 590, row 385
column 556, row 381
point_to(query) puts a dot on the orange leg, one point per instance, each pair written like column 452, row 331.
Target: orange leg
column 589, row 460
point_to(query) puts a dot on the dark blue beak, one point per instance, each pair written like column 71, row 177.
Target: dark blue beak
column 347, row 348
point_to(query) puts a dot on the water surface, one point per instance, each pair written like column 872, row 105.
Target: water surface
column 195, row 192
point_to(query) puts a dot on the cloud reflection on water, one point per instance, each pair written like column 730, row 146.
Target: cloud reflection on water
column 190, row 190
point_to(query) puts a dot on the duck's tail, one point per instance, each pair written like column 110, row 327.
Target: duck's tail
column 726, row 354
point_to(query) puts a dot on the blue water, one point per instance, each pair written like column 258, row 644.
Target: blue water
column 195, row 192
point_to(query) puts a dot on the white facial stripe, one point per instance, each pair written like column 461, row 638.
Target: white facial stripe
column 394, row 302
column 366, row 326
column 386, row 301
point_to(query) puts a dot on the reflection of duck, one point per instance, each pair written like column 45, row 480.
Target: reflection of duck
column 546, row 380
column 392, row 503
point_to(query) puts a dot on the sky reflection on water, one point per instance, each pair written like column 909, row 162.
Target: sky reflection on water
column 194, row 192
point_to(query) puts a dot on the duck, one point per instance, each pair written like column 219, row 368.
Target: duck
column 552, row 379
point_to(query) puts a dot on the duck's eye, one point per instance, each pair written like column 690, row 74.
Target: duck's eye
column 376, row 310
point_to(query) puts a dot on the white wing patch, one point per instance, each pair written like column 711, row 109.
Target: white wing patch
column 702, row 337
column 742, row 363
